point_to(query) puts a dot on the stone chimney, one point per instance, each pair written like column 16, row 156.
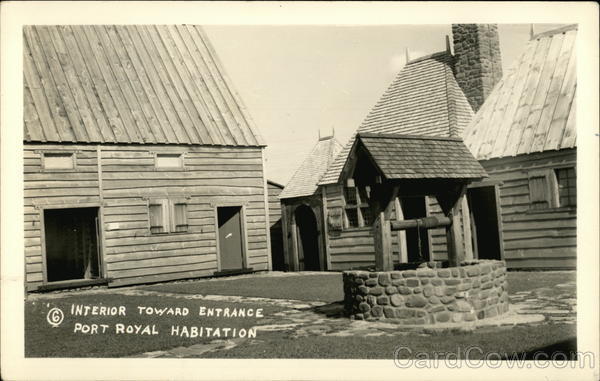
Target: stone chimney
column 478, row 65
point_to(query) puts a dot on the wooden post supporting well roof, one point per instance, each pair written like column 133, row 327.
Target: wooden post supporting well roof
column 416, row 165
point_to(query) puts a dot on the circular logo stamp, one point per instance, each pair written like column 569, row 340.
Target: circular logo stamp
column 55, row 317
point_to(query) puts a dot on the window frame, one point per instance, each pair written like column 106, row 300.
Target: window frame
column 168, row 215
column 46, row 154
column 551, row 189
column 358, row 206
column 569, row 194
column 180, row 155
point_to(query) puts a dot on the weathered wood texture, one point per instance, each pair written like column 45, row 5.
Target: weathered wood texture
column 211, row 175
column 44, row 188
column 420, row 157
column 305, row 179
column 275, row 225
column 129, row 84
column 530, row 108
column 352, row 248
column 534, row 238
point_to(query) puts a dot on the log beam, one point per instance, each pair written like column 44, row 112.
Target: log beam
column 423, row 223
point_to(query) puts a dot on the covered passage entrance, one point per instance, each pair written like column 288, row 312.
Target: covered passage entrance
column 71, row 241
column 307, row 239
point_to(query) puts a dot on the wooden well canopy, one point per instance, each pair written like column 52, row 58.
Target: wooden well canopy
column 411, row 165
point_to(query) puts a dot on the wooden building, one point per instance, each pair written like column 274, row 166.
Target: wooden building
column 275, row 225
column 427, row 99
column 524, row 135
column 303, row 210
column 388, row 168
column 141, row 162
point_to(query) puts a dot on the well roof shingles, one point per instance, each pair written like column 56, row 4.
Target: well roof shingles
column 150, row 84
column 417, row 157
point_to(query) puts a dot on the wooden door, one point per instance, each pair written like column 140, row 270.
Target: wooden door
column 231, row 249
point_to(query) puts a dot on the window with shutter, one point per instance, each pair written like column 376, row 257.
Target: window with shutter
column 179, row 217
column 543, row 189
column 158, row 215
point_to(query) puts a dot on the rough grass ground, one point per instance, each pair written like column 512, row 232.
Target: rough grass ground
column 322, row 287
column 43, row 341
column 522, row 342
column 328, row 287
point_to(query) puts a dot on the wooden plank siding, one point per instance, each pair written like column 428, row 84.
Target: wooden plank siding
column 211, row 175
column 45, row 189
column 352, row 248
column 534, row 238
column 275, row 222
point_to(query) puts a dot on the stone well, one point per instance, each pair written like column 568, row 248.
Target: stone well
column 475, row 290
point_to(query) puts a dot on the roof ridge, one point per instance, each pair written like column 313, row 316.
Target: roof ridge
column 552, row 32
column 406, row 136
column 450, row 104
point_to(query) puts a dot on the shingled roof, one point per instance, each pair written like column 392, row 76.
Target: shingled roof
column 420, row 157
column 532, row 109
column 305, row 180
column 129, row 84
column 423, row 99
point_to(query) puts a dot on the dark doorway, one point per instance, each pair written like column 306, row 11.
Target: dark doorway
column 414, row 207
column 71, row 239
column 308, row 239
column 485, row 225
column 231, row 249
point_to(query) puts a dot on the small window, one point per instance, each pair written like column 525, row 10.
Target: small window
column 179, row 217
column 358, row 209
column 552, row 188
column 61, row 160
column 168, row 160
column 167, row 216
column 158, row 214
column 566, row 179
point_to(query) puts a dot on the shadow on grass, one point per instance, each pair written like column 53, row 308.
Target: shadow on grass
column 561, row 351
column 333, row 310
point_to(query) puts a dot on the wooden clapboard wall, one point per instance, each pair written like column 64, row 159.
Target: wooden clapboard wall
column 45, row 188
column 273, row 190
column 212, row 176
column 534, row 238
column 351, row 248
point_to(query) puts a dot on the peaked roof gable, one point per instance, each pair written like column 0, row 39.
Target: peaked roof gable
column 532, row 109
column 421, row 157
column 305, row 180
column 424, row 99
column 151, row 84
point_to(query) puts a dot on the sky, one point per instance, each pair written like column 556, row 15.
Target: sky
column 299, row 81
